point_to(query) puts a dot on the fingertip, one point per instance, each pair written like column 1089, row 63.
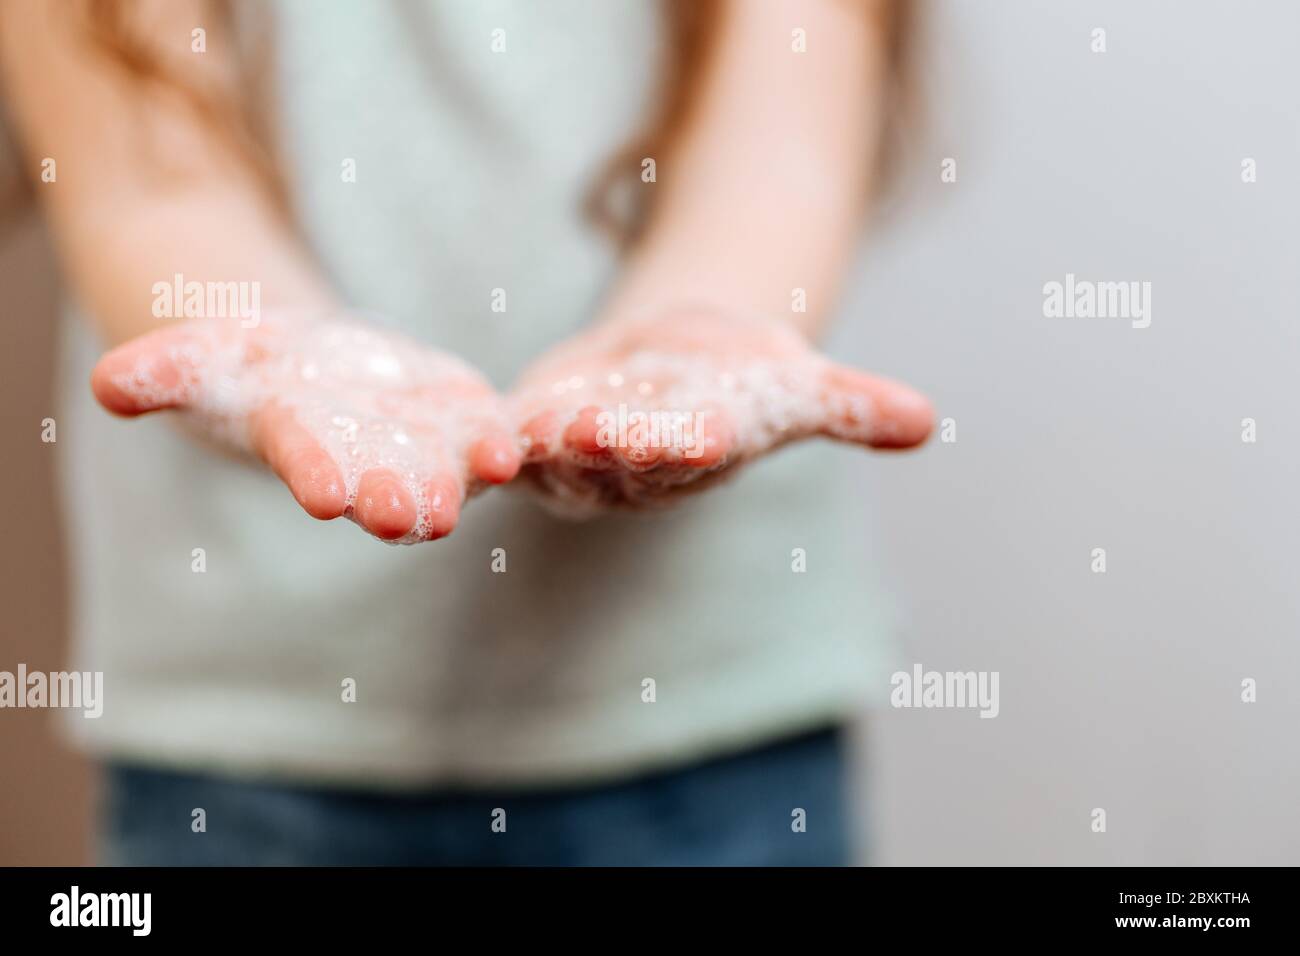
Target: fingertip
column 494, row 458
column 442, row 498
column 318, row 486
column 128, row 382
column 539, row 435
column 384, row 506
column 583, row 434
column 640, row 457
column 906, row 419
column 106, row 391
column 713, row 441
column 876, row 412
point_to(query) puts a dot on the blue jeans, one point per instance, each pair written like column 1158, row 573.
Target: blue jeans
column 737, row 811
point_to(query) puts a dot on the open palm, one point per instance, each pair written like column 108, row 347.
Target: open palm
column 357, row 421
column 635, row 413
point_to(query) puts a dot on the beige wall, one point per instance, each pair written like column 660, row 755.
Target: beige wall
column 44, row 788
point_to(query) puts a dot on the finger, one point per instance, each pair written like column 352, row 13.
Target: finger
column 152, row 372
column 540, row 435
column 641, row 445
column 583, row 434
column 639, row 455
column 587, row 442
column 494, row 458
column 708, row 443
column 442, row 497
column 300, row 462
column 874, row 411
column 384, row 507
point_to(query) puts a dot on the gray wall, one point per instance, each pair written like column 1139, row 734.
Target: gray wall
column 1118, row 690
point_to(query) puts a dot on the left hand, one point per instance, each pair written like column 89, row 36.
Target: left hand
column 635, row 413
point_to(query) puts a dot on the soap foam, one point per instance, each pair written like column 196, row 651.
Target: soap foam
column 371, row 398
column 756, row 376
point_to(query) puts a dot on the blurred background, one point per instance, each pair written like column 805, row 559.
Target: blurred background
column 1119, row 691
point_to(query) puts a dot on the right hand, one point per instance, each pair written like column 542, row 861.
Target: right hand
column 358, row 421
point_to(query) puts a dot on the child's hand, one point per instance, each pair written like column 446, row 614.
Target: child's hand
column 633, row 413
column 356, row 420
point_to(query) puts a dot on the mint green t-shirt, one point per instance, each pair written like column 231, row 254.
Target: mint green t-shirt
column 523, row 648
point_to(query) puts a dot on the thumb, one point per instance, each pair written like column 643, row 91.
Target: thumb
column 874, row 411
column 155, row 371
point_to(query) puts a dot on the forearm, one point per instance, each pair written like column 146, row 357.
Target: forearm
column 765, row 193
column 141, row 188
column 124, row 257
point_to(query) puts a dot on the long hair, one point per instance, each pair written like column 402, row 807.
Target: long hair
column 234, row 107
column 692, row 29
